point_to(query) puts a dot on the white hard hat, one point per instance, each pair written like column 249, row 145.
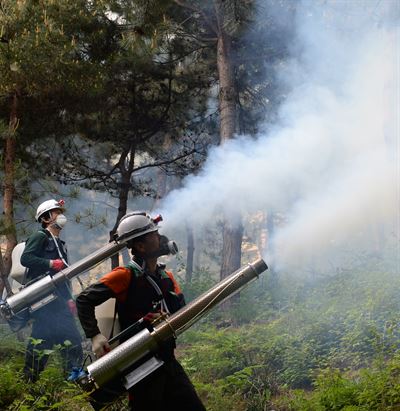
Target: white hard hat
column 47, row 206
column 136, row 224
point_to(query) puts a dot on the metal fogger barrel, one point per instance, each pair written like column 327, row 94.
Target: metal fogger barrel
column 47, row 285
column 120, row 362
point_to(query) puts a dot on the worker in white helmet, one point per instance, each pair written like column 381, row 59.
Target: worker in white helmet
column 46, row 254
column 144, row 290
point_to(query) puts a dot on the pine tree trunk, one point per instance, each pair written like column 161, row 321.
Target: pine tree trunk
column 227, row 92
column 161, row 187
column 123, row 194
column 233, row 231
column 122, row 209
column 231, row 248
column 4, row 284
column 162, row 175
column 9, row 193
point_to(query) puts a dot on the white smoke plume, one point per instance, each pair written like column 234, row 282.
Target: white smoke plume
column 331, row 163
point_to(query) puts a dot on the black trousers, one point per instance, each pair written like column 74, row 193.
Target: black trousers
column 52, row 325
column 166, row 389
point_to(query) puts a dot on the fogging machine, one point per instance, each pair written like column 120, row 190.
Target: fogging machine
column 137, row 357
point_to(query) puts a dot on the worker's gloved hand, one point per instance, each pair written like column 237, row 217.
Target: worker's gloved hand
column 100, row 345
column 149, row 318
column 57, row 265
column 72, row 307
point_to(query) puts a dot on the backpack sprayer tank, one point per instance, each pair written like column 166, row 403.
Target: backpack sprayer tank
column 126, row 361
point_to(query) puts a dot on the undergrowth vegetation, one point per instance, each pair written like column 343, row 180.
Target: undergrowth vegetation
column 50, row 392
column 327, row 344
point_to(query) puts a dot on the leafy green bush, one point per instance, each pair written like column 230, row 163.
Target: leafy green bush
column 376, row 388
column 11, row 385
column 50, row 392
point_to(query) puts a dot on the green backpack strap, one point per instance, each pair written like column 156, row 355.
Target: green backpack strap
column 135, row 268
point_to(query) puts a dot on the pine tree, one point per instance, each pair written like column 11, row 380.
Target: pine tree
column 47, row 52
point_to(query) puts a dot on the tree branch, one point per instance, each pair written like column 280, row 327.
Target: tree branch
column 200, row 11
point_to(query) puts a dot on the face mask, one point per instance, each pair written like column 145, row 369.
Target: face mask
column 60, row 222
column 166, row 247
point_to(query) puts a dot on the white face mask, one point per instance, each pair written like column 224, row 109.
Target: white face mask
column 61, row 220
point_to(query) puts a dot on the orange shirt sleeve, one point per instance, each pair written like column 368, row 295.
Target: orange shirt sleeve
column 118, row 281
column 177, row 288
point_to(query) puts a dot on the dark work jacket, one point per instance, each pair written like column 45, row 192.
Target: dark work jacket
column 135, row 297
column 142, row 297
column 39, row 250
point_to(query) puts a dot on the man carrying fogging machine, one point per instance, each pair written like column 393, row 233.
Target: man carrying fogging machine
column 44, row 255
column 145, row 292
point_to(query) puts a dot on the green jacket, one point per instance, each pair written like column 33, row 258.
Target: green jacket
column 39, row 250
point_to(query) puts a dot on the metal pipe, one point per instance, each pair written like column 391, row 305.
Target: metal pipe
column 119, row 359
column 47, row 285
column 128, row 353
column 186, row 317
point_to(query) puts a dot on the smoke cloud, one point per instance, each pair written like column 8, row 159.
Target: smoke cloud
column 330, row 164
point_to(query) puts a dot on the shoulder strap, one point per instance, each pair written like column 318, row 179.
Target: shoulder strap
column 58, row 248
column 164, row 306
column 136, row 268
